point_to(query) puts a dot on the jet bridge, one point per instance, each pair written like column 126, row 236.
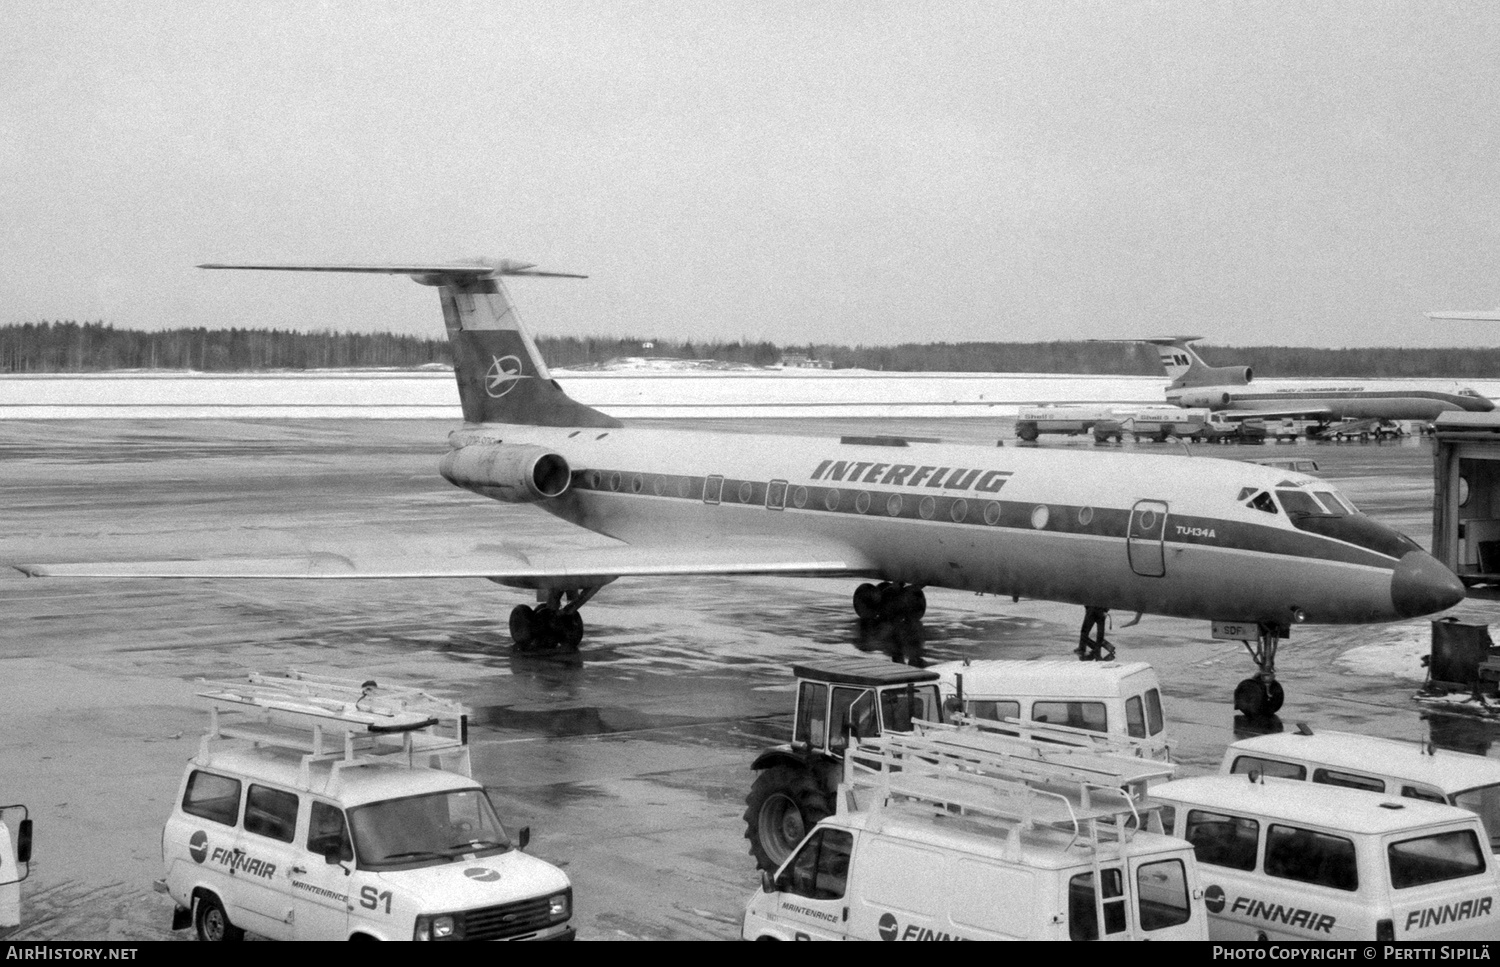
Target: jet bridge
column 1466, row 495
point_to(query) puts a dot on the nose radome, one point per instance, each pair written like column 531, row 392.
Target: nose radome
column 1420, row 585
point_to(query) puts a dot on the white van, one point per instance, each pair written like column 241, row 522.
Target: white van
column 1286, row 860
column 342, row 810
column 1407, row 769
column 1120, row 699
column 921, row 851
column 15, row 862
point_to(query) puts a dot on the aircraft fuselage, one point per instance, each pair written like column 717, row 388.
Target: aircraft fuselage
column 1383, row 400
column 1161, row 534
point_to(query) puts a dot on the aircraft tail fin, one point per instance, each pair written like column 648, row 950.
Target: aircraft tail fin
column 501, row 375
column 1184, row 367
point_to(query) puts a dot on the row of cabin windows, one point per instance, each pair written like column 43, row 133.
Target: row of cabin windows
column 268, row 812
column 1277, row 769
column 1325, row 859
column 1143, row 717
column 776, row 498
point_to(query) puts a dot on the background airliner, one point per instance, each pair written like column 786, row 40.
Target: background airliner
column 1183, row 536
column 1231, row 389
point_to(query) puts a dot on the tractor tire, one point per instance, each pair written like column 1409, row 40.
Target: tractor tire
column 784, row 804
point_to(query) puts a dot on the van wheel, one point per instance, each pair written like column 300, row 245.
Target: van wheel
column 782, row 806
column 212, row 923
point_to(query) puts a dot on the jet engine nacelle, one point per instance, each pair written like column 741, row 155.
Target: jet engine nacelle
column 1207, row 397
column 515, row 473
column 1216, row 376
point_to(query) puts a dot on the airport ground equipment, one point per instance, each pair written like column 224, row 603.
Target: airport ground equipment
column 1390, row 767
column 330, row 808
column 836, row 700
column 1108, row 704
column 846, row 700
column 933, row 825
column 1361, row 430
column 1286, row 860
column 1466, row 495
column 1033, row 421
column 15, row 862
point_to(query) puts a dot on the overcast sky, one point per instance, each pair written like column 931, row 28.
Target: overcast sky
column 1310, row 173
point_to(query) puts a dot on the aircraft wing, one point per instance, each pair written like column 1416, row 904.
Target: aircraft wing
column 562, row 567
column 1493, row 315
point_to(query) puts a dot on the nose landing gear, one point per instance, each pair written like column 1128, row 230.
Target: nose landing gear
column 1262, row 695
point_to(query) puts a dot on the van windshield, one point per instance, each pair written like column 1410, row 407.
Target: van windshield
column 418, row 831
column 1484, row 800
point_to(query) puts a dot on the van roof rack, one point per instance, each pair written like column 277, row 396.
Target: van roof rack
column 1110, row 743
column 345, row 721
column 1096, row 797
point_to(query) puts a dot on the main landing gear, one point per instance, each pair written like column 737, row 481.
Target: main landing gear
column 890, row 616
column 554, row 624
column 1262, row 695
column 1095, row 648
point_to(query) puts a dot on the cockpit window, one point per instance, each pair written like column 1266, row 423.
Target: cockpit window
column 1336, row 505
column 1296, row 502
column 1262, row 501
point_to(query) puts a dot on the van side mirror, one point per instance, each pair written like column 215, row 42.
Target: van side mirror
column 23, row 842
column 523, row 836
column 767, row 882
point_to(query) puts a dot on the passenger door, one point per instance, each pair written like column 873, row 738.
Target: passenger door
column 1145, row 543
column 1164, row 904
column 261, row 866
column 324, row 887
column 811, row 887
column 1442, row 885
column 1095, row 914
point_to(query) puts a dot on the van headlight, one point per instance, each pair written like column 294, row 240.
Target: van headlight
column 440, row 926
column 560, row 906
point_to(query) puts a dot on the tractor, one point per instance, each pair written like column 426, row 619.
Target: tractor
column 837, row 700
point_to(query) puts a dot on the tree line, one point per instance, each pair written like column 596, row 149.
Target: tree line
column 90, row 347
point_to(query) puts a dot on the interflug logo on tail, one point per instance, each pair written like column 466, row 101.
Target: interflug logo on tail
column 503, row 375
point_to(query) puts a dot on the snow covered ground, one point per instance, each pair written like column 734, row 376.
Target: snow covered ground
column 634, row 392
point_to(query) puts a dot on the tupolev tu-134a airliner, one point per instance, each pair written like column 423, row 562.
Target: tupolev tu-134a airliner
column 1232, row 390
column 1190, row 537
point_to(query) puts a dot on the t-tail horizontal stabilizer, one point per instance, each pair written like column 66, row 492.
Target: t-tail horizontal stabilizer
column 501, row 375
column 1184, row 367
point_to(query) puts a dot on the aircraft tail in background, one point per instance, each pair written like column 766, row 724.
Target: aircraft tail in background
column 1184, row 367
column 501, row 375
